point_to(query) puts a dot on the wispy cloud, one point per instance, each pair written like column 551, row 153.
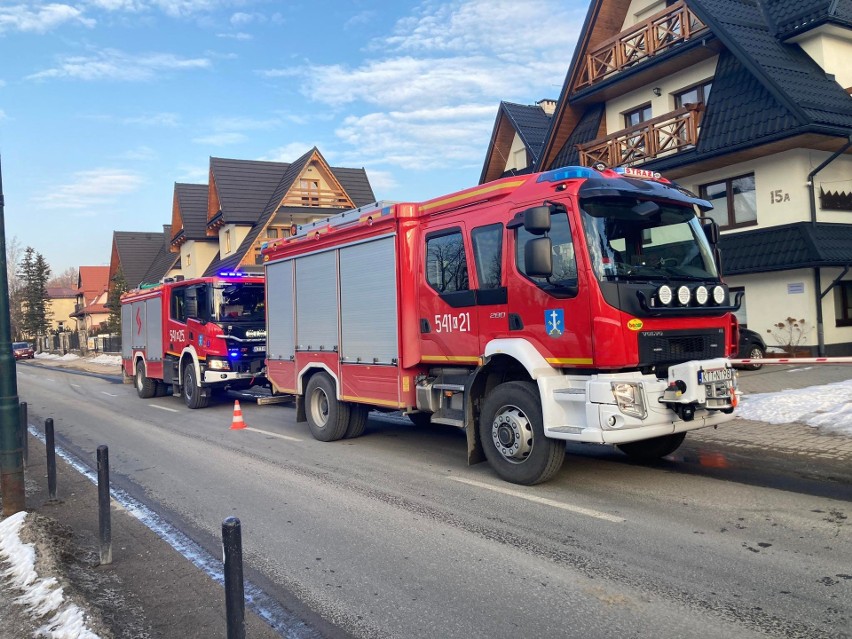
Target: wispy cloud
column 41, row 18
column 112, row 64
column 287, row 153
column 240, row 35
column 140, row 153
column 221, row 139
column 3, row 115
column 154, row 120
column 91, row 189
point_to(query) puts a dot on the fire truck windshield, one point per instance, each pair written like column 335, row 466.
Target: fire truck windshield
column 237, row 302
column 630, row 239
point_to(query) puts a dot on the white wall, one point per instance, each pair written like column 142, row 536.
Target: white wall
column 200, row 256
column 640, row 10
column 830, row 47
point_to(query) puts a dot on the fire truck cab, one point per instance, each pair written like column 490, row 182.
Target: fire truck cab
column 194, row 336
column 575, row 305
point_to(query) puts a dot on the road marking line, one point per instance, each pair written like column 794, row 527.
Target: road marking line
column 75, row 385
column 171, row 410
column 542, row 500
column 266, row 432
column 110, row 394
column 48, row 379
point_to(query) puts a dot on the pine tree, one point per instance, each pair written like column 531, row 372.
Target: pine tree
column 117, row 287
column 34, row 273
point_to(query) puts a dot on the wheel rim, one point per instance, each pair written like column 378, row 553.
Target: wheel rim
column 319, row 407
column 512, row 434
column 139, row 378
column 756, row 353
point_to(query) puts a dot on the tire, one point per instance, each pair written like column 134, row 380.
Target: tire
column 511, row 431
column 652, row 449
column 755, row 352
column 145, row 386
column 193, row 396
column 357, row 421
column 421, row 420
column 328, row 418
column 163, row 389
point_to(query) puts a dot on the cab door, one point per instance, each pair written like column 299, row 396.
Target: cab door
column 487, row 243
column 447, row 302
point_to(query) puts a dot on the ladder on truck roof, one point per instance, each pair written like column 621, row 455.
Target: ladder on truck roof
column 352, row 215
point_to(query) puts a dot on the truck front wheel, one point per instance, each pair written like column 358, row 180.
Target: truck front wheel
column 145, row 386
column 328, row 418
column 651, row 449
column 193, row 395
column 511, row 430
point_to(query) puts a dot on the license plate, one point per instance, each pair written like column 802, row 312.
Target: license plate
column 259, row 349
column 715, row 375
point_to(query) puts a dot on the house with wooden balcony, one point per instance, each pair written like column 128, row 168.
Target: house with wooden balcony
column 248, row 203
column 92, row 290
column 517, row 138
column 746, row 103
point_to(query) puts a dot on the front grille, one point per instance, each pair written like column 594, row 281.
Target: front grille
column 671, row 347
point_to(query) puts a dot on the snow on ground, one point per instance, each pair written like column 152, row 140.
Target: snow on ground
column 61, row 358
column 43, row 597
column 828, row 407
column 110, row 360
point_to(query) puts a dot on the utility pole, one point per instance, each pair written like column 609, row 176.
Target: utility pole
column 11, row 433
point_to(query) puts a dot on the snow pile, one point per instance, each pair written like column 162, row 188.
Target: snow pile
column 108, row 360
column 41, row 596
column 69, row 357
column 826, row 407
column 46, row 356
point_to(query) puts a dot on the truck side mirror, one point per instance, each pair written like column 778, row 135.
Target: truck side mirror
column 537, row 220
column 538, row 257
column 711, row 230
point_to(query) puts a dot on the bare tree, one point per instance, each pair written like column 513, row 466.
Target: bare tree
column 14, row 253
column 67, row 278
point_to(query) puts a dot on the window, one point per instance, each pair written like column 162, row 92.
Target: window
column 178, row 307
column 272, row 233
column 564, row 263
column 637, row 116
column 742, row 314
column 227, row 242
column 188, row 260
column 488, row 255
column 446, row 264
column 310, row 192
column 694, row 95
column 843, row 303
column 734, row 201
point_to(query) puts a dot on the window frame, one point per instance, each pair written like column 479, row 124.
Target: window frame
column 845, row 304
column 701, row 90
column 451, row 231
column 640, row 110
column 729, row 197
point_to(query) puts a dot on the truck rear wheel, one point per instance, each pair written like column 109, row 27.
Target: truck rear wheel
column 193, row 395
column 328, row 418
column 357, row 421
column 145, row 386
column 651, row 449
column 511, row 430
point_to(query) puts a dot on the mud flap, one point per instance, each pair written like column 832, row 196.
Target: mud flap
column 475, row 454
column 301, row 416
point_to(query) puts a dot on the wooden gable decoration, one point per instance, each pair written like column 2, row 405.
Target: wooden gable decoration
column 177, row 224
column 504, row 136
column 316, row 186
column 213, row 204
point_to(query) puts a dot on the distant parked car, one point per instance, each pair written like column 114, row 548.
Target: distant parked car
column 752, row 346
column 23, row 350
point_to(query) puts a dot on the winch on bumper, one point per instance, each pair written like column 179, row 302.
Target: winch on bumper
column 626, row 407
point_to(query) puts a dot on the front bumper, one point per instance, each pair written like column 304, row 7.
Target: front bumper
column 584, row 408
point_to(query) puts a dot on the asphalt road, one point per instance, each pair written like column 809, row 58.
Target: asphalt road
column 393, row 535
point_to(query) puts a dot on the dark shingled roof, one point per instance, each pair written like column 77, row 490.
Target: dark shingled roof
column 144, row 257
column 244, row 187
column 790, row 246
column 585, row 131
column 531, row 123
column 192, row 200
column 794, row 16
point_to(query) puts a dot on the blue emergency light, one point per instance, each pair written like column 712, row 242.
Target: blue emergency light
column 568, row 173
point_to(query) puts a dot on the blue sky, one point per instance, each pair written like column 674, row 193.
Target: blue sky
column 105, row 104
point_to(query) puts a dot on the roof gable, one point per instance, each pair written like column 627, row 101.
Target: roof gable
column 189, row 211
column 240, row 189
column 142, row 257
column 529, row 122
column 92, row 281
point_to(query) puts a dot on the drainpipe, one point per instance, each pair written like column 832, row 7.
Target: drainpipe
column 817, row 283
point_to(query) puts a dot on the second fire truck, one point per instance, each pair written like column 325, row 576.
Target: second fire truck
column 194, row 336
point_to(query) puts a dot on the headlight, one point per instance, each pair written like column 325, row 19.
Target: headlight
column 218, row 365
column 683, row 295
column 664, row 294
column 701, row 295
column 628, row 396
column 718, row 294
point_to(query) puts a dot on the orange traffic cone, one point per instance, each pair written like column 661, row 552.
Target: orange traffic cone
column 237, row 422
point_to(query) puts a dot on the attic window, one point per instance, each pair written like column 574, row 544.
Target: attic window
column 310, row 192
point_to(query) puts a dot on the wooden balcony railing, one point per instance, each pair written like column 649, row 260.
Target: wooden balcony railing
column 653, row 138
column 658, row 33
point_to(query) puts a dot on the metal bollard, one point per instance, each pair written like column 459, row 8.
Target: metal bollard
column 25, row 438
column 50, row 446
column 235, row 605
column 104, row 524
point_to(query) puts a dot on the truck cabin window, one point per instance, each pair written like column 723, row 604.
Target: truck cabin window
column 630, row 239
column 564, row 277
column 237, row 303
column 446, row 264
column 488, row 255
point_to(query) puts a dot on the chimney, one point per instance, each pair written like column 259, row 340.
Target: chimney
column 547, row 105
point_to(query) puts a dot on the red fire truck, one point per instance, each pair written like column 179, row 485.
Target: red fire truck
column 193, row 336
column 574, row 305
